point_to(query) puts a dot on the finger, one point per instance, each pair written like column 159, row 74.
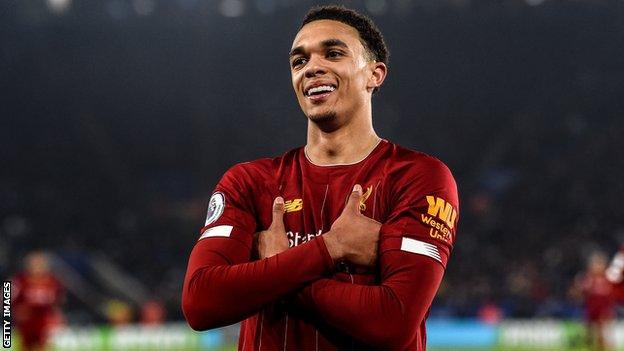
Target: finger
column 278, row 214
column 353, row 203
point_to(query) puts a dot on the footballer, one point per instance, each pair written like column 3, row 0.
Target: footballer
column 337, row 245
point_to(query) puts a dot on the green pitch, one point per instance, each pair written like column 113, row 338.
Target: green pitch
column 234, row 348
column 511, row 349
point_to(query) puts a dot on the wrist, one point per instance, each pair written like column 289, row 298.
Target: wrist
column 333, row 246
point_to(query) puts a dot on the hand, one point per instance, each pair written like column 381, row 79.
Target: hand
column 353, row 236
column 274, row 240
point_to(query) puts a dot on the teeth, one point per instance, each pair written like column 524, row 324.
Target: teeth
column 322, row 88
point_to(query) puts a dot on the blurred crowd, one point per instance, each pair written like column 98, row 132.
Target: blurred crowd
column 116, row 130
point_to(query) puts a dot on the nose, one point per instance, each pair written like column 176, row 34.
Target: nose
column 314, row 67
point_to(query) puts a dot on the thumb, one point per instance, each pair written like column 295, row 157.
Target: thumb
column 353, row 203
column 278, row 214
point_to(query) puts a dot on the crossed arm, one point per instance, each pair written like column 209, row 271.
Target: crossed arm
column 221, row 286
column 220, row 290
column 398, row 304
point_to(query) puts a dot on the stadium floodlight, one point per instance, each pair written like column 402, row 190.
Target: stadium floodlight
column 143, row 7
column 58, row 6
column 232, row 8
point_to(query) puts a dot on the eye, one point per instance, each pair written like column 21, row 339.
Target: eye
column 334, row 53
column 298, row 62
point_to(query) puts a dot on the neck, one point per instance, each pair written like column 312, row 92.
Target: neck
column 347, row 144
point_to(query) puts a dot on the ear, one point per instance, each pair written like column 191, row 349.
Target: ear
column 379, row 70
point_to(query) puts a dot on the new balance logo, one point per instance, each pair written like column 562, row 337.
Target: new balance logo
column 293, row 205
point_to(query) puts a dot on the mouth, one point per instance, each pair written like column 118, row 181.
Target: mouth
column 319, row 92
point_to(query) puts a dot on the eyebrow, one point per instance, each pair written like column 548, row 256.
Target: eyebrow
column 325, row 43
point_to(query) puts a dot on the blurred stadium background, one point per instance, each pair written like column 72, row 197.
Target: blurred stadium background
column 119, row 116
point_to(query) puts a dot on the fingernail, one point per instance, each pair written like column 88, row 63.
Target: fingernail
column 357, row 188
column 279, row 200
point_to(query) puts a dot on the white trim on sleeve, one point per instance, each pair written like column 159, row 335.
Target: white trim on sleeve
column 421, row 248
column 220, row 230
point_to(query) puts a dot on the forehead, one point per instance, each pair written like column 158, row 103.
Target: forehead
column 317, row 31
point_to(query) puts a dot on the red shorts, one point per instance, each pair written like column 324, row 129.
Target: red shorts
column 599, row 314
column 34, row 333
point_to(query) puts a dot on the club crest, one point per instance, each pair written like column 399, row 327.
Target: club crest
column 365, row 197
column 215, row 207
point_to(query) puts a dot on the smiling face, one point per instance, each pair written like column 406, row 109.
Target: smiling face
column 331, row 73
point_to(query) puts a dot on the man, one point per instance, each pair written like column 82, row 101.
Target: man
column 353, row 249
column 597, row 293
column 37, row 297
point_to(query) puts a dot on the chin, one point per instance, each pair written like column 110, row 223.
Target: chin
column 327, row 121
column 322, row 118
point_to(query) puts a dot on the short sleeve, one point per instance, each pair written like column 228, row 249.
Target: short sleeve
column 423, row 212
column 230, row 211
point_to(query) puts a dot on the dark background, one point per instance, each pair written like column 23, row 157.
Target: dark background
column 118, row 117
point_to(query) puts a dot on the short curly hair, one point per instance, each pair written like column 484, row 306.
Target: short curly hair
column 370, row 36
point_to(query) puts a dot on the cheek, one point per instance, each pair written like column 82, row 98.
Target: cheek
column 296, row 77
column 354, row 83
column 294, row 81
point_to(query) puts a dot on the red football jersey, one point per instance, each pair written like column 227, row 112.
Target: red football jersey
column 598, row 296
column 300, row 299
column 36, row 300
